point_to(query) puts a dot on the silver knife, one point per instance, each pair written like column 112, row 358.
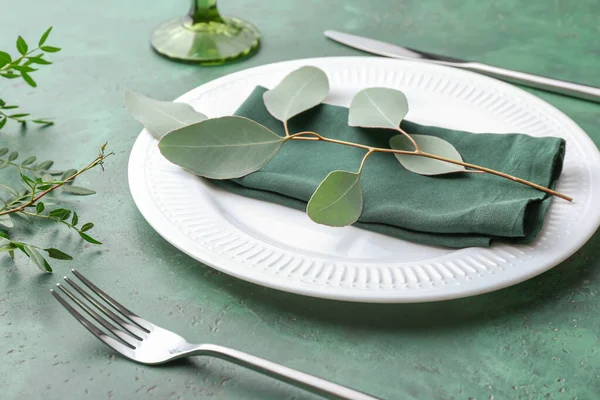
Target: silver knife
column 522, row 78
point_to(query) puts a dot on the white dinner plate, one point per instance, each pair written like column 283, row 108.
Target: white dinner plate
column 282, row 248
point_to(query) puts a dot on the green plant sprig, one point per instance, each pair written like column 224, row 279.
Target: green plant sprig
column 27, row 203
column 232, row 147
column 418, row 152
column 21, row 67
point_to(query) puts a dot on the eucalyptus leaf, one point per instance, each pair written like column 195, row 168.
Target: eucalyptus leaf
column 44, row 37
column 378, row 108
column 160, row 117
column 221, row 148
column 24, row 216
column 6, row 220
column 58, row 254
column 338, row 200
column 77, row 190
column 428, row 144
column 38, row 259
column 5, row 58
column 67, row 174
column 88, row 238
column 299, row 91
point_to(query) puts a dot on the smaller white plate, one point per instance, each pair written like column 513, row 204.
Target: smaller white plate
column 282, row 248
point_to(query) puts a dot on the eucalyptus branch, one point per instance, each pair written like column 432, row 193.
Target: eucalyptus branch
column 21, row 67
column 420, row 153
column 97, row 161
column 233, row 147
column 37, row 188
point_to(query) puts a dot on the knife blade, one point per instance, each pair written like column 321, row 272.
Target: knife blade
column 384, row 49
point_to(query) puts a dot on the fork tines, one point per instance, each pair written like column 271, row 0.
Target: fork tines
column 125, row 329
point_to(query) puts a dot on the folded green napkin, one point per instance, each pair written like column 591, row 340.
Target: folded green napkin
column 456, row 210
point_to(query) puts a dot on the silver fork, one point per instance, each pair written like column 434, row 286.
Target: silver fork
column 142, row 341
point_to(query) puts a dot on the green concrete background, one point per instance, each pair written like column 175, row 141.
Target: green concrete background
column 536, row 340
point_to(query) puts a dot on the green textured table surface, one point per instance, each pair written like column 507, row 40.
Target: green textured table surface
column 539, row 339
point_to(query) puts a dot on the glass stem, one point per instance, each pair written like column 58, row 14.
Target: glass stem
column 204, row 11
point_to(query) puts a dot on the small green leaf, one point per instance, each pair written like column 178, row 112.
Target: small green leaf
column 4, row 241
column 6, row 221
column 24, row 68
column 3, row 151
column 21, row 45
column 5, row 58
column 29, row 160
column 299, row 91
column 4, row 164
column 28, row 79
column 221, row 148
column 59, row 255
column 88, row 238
column 18, row 115
column 428, row 144
column 39, row 207
column 160, row 117
column 337, row 201
column 13, row 156
column 30, row 182
column 378, row 108
column 24, row 216
column 57, row 212
column 45, row 165
column 65, row 215
column 67, row 174
column 44, row 37
column 36, row 257
column 8, row 248
column 75, row 219
column 50, row 49
column 77, row 190
column 9, row 75
column 87, row 226
column 43, row 122
column 2, row 122
column 39, row 60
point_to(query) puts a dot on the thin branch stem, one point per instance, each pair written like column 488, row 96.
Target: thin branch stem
column 370, row 149
column 97, row 161
column 417, row 149
column 285, row 126
column 362, row 163
column 50, row 218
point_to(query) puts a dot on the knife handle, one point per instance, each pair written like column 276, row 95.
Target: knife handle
column 571, row 89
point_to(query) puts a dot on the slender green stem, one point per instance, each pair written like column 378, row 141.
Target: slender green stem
column 362, row 163
column 285, row 126
column 370, row 149
column 414, row 143
column 49, row 218
column 97, row 161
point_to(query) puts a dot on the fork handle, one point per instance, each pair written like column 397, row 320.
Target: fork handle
column 300, row 379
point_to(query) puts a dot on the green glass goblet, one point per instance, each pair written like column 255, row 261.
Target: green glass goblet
column 204, row 36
